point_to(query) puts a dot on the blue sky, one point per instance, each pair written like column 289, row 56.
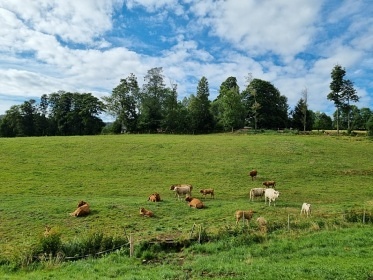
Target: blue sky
column 89, row 45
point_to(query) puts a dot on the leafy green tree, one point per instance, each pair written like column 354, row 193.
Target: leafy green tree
column 273, row 110
column 369, row 126
column 201, row 118
column 342, row 92
column 11, row 122
column 322, row 121
column 123, row 103
column 231, row 111
column 152, row 97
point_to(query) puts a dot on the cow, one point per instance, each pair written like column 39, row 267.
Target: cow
column 247, row 215
column 204, row 192
column 155, row 197
column 272, row 195
column 306, row 208
column 147, row 213
column 269, row 184
column 182, row 189
column 255, row 192
column 82, row 210
column 262, row 224
column 194, row 202
column 253, row 174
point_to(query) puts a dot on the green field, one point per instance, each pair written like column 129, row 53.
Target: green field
column 42, row 179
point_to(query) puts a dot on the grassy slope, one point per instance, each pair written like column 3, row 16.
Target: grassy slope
column 43, row 178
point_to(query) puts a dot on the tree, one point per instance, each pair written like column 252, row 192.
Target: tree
column 302, row 120
column 152, row 100
column 304, row 109
column 342, row 92
column 272, row 112
column 230, row 107
column 322, row 121
column 122, row 103
column 199, row 109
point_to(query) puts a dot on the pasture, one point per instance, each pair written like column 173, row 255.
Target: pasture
column 43, row 178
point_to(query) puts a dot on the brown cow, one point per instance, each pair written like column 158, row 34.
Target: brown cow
column 253, row 174
column 194, row 202
column 82, row 210
column 155, row 197
column 144, row 212
column 269, row 184
column 247, row 215
column 207, row 191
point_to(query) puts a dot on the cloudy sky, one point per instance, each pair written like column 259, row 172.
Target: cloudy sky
column 89, row 45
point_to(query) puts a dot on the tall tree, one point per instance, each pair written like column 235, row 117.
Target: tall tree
column 302, row 120
column 273, row 110
column 304, row 108
column 152, row 97
column 322, row 121
column 231, row 109
column 122, row 103
column 342, row 91
column 200, row 108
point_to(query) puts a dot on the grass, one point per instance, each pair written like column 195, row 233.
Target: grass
column 43, row 178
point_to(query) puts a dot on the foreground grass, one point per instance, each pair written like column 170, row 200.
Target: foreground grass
column 43, row 178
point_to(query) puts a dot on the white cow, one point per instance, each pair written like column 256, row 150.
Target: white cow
column 306, row 208
column 272, row 195
column 181, row 190
column 256, row 192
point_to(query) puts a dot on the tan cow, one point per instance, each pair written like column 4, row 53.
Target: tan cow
column 262, row 224
column 144, row 212
column 194, row 202
column 155, row 197
column 82, row 210
column 269, row 184
column 207, row 191
column 247, row 215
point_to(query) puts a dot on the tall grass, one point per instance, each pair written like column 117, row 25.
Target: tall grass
column 42, row 179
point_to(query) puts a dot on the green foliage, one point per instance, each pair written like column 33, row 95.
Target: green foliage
column 369, row 126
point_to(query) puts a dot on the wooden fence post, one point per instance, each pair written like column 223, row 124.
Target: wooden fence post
column 288, row 221
column 131, row 245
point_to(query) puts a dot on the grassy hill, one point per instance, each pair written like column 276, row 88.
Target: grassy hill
column 42, row 179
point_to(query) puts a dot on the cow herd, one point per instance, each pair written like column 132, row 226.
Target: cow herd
column 184, row 191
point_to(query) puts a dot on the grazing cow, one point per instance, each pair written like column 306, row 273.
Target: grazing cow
column 262, row 224
column 207, row 191
column 182, row 189
column 155, row 197
column 306, row 208
column 194, row 202
column 269, row 184
column 272, row 195
column 256, row 192
column 147, row 213
column 82, row 210
column 247, row 215
column 253, row 174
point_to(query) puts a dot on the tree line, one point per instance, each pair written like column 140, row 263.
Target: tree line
column 155, row 107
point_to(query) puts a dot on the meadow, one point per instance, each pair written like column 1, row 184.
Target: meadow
column 43, row 178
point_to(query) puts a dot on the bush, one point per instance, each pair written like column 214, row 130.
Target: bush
column 369, row 126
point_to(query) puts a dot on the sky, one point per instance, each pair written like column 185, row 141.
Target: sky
column 89, row 45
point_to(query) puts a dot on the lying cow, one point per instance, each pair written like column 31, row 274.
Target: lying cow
column 306, row 209
column 147, row 213
column 269, row 184
column 82, row 210
column 253, row 174
column 271, row 195
column 207, row 191
column 255, row 192
column 247, row 215
column 194, row 202
column 155, row 197
column 181, row 190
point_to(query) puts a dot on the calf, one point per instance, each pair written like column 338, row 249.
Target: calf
column 207, row 191
column 262, row 224
column 255, row 192
column 144, row 212
column 253, row 174
column 194, row 202
column 247, row 215
column 155, row 197
column 306, row 208
column 271, row 195
column 82, row 210
column 269, row 184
